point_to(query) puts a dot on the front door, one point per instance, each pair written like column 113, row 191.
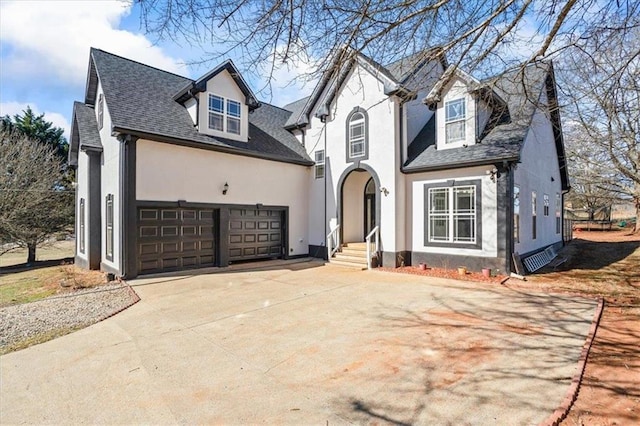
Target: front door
column 369, row 207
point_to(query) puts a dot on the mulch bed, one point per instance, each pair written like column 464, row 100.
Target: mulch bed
column 446, row 273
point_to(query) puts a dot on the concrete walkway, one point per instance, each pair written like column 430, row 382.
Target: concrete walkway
column 307, row 344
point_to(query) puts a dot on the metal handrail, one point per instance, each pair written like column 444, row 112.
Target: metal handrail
column 333, row 236
column 375, row 231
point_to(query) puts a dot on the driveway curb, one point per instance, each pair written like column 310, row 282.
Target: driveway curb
column 572, row 393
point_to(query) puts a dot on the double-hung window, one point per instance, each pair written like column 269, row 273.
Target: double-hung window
column 81, row 227
column 455, row 116
column 216, row 112
column 545, row 206
column 319, row 168
column 233, row 117
column 357, row 135
column 100, row 111
column 452, row 214
column 534, row 215
column 558, row 213
column 224, row 114
column 109, row 227
column 516, row 214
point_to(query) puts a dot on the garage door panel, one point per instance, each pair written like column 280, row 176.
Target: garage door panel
column 146, row 214
column 254, row 234
column 149, row 248
column 170, row 215
column 175, row 238
column 170, row 247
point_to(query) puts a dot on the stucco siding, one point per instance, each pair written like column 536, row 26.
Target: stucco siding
column 225, row 86
column 363, row 90
column 82, row 193
column 110, row 184
column 166, row 172
column 416, row 201
column 539, row 172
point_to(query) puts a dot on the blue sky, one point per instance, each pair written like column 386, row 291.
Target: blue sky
column 44, row 54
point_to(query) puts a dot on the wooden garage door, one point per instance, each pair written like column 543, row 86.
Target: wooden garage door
column 170, row 239
column 255, row 234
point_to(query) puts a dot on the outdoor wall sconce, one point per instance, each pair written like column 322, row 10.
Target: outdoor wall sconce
column 384, row 191
column 225, row 188
column 493, row 174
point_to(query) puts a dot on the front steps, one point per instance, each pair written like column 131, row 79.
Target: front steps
column 353, row 255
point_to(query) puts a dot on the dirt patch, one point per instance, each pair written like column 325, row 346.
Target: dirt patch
column 610, row 391
column 598, row 263
column 445, row 273
column 605, row 264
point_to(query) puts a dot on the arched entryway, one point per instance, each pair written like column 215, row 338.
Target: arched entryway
column 358, row 203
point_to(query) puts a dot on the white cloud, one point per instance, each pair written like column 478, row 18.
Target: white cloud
column 13, row 108
column 52, row 38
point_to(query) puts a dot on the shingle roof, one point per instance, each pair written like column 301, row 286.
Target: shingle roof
column 505, row 138
column 410, row 73
column 84, row 131
column 296, row 109
column 140, row 101
column 87, row 126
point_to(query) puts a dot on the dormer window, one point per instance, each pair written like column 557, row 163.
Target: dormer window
column 216, row 112
column 221, row 117
column 233, row 117
column 455, row 116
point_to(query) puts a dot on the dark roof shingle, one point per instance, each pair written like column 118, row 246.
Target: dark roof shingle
column 503, row 142
column 140, row 101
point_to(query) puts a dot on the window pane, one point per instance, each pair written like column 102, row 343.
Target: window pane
column 439, row 228
column 464, row 229
column 455, row 110
column 357, row 148
column 356, row 131
column 319, row 171
column 439, row 202
column 320, row 156
column 233, row 125
column 464, row 199
column 215, row 121
column 455, row 131
column 233, row 108
column 216, row 104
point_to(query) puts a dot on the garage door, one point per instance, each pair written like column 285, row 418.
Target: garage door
column 170, row 239
column 255, row 234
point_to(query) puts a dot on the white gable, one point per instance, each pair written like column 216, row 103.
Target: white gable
column 223, row 87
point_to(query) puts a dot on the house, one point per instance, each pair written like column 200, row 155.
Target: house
column 433, row 164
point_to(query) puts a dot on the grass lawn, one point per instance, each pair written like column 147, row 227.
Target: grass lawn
column 54, row 251
column 28, row 284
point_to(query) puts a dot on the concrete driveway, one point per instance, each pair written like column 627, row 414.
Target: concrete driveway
column 307, row 344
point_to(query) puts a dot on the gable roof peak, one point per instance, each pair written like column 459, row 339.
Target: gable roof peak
column 200, row 85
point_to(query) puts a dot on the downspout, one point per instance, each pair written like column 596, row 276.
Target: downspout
column 324, row 121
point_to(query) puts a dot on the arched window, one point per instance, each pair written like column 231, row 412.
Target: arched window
column 357, row 135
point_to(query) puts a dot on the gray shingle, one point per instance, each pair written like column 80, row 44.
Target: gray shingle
column 296, row 109
column 503, row 141
column 87, row 127
column 140, row 100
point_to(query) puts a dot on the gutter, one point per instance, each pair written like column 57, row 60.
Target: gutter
column 450, row 166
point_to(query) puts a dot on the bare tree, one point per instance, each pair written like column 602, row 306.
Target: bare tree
column 34, row 204
column 591, row 188
column 473, row 33
column 602, row 83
